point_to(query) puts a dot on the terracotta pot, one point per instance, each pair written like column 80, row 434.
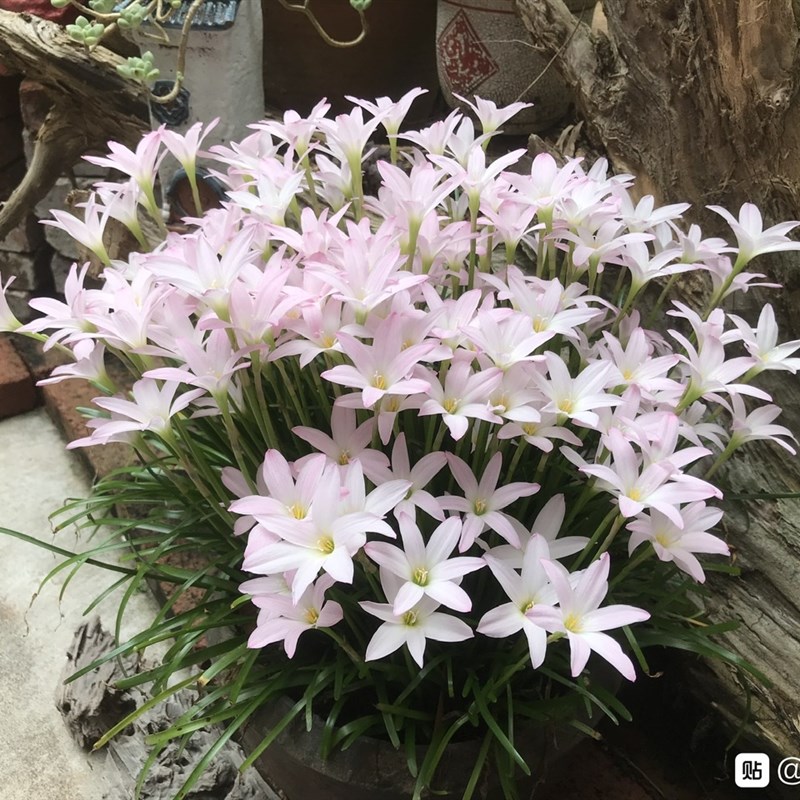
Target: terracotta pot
column 397, row 54
column 372, row 769
column 483, row 48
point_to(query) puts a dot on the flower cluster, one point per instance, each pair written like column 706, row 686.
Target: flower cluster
column 453, row 409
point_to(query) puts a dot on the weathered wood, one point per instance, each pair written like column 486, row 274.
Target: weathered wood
column 92, row 103
column 700, row 99
column 91, row 705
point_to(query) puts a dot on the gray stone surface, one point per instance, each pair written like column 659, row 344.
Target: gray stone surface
column 38, row 758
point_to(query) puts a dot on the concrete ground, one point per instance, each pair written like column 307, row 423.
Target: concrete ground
column 38, row 758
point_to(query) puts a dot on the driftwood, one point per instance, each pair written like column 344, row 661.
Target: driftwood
column 90, row 705
column 92, row 103
column 700, row 99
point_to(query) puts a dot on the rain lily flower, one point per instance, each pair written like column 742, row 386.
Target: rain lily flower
column 464, row 395
column 281, row 620
column 660, row 485
column 8, row 322
column 412, row 628
column 483, row 502
column 762, row 343
column 526, row 591
column 151, row 409
column 426, row 569
column 89, row 231
column 751, row 238
column 680, row 543
column 580, row 618
column 492, row 117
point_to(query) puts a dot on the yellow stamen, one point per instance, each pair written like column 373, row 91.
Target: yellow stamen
column 298, row 511
column 312, row 615
column 344, row 458
column 479, row 506
column 573, row 623
column 420, row 576
column 410, row 618
column 450, row 404
column 566, row 405
column 326, row 545
column 379, row 381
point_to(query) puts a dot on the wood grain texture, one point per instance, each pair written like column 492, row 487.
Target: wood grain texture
column 92, row 103
column 699, row 99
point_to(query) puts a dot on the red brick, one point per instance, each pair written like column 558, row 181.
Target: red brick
column 62, row 401
column 17, row 392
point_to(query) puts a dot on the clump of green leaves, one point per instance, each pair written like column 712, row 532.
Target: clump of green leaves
column 85, row 32
column 140, row 69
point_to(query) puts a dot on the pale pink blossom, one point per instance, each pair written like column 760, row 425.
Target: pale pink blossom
column 412, row 628
column 483, row 502
column 281, row 620
column 8, row 321
column 658, row 485
column 419, row 476
column 381, row 368
column 426, row 569
column 525, row 591
column 347, row 443
column 579, row 617
column 680, row 543
column 151, row 409
column 751, row 238
column 761, row 343
column 465, row 395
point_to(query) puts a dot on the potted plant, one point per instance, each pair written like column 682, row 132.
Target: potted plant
column 443, row 475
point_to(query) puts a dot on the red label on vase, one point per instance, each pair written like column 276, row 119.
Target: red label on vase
column 465, row 58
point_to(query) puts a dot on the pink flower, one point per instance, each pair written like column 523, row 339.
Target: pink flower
column 762, row 343
column 382, row 368
column 284, row 496
column 347, row 443
column 581, row 620
column 526, row 591
column 680, row 543
column 576, row 398
column 751, row 237
column 483, row 502
column 411, row 628
column 185, row 147
column 426, row 569
column 89, row 231
column 327, row 539
column 660, row 485
column 141, row 164
column 419, row 476
column 464, row 395
column 150, row 410
column 281, row 620
column 490, row 115
column 8, row 322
